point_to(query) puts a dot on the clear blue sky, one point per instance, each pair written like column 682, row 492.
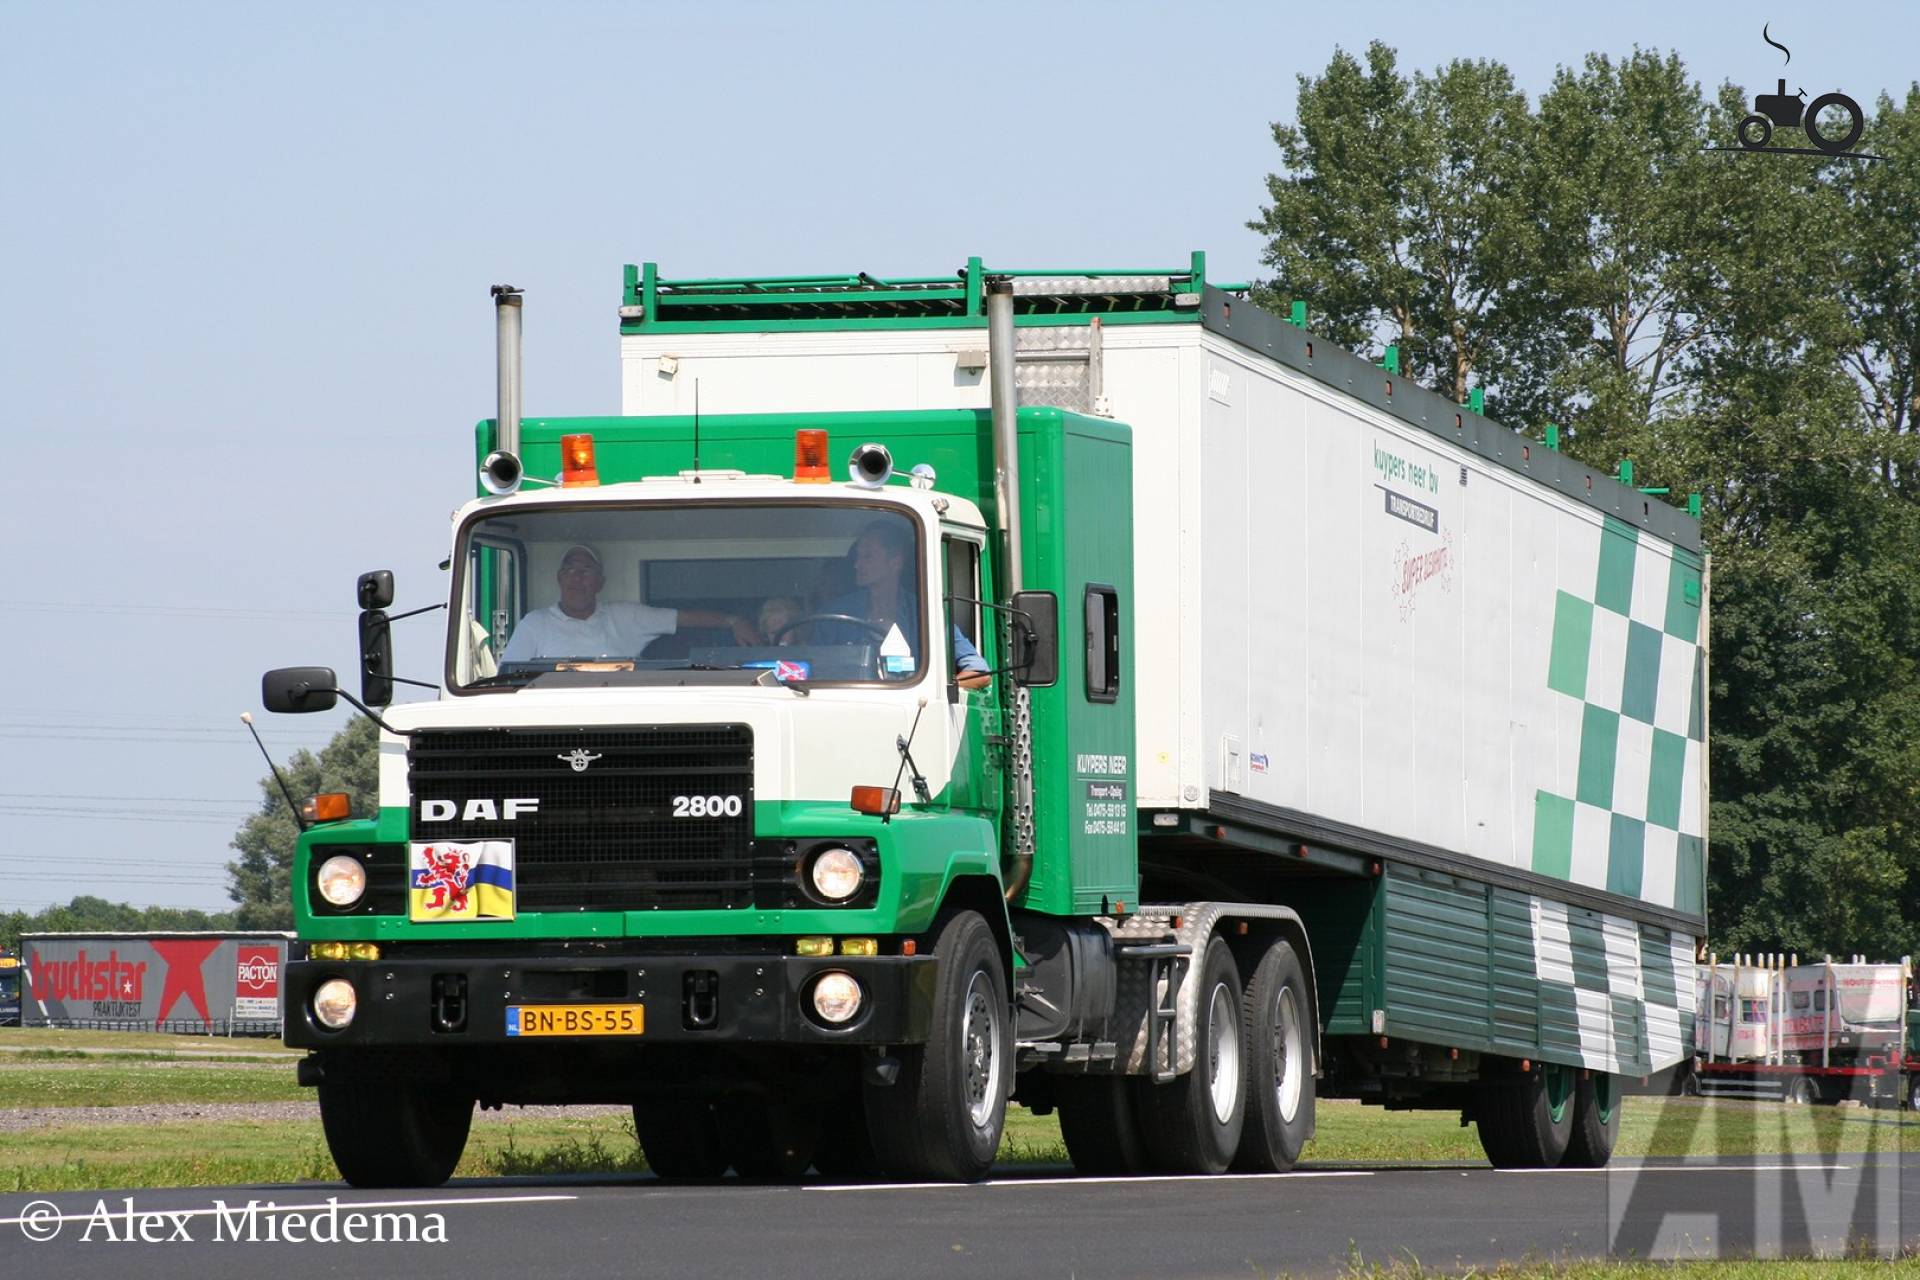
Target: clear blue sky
column 245, row 330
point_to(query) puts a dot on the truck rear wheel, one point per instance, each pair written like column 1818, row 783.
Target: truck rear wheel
column 679, row 1137
column 1098, row 1125
column 391, row 1133
column 1526, row 1122
column 1193, row 1123
column 1596, row 1122
column 1802, row 1091
column 1279, row 1058
column 943, row 1115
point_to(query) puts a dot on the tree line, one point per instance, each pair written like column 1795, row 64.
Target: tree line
column 1741, row 326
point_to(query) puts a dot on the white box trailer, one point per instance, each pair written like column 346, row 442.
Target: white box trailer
column 1366, row 613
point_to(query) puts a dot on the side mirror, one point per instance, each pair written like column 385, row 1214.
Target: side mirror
column 376, row 657
column 294, row 690
column 375, row 590
column 1036, row 638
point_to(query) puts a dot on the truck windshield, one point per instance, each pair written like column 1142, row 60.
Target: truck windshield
column 710, row 592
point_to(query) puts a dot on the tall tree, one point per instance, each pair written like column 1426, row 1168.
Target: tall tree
column 262, row 875
column 1404, row 214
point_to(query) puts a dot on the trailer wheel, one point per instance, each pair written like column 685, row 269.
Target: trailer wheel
column 943, row 1116
column 1279, row 1057
column 1098, row 1123
column 1527, row 1122
column 679, row 1137
column 390, row 1133
column 1913, row 1092
column 1193, row 1123
column 1596, row 1122
column 1802, row 1091
column 1690, row 1084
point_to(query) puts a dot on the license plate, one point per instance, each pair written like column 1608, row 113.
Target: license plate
column 574, row 1020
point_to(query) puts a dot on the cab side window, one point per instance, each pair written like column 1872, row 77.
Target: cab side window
column 963, row 587
column 1103, row 643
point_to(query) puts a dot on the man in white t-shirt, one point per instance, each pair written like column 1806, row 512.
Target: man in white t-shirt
column 579, row 626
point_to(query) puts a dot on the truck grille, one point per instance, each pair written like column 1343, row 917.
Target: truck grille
column 605, row 837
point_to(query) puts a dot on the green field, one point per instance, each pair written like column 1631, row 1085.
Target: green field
column 220, row 1150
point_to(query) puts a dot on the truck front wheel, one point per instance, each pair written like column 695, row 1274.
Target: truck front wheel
column 942, row 1116
column 1192, row 1123
column 680, row 1137
column 391, row 1133
column 1279, row 1065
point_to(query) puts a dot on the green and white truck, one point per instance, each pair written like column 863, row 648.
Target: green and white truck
column 1324, row 738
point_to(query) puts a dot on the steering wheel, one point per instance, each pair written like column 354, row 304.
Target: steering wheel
column 879, row 632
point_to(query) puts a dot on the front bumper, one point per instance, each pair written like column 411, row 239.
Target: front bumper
column 686, row 999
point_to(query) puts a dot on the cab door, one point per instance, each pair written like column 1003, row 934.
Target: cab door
column 974, row 714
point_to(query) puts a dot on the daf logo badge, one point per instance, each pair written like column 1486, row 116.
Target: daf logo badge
column 579, row 758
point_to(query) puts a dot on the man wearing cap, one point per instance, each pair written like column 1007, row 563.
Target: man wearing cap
column 579, row 626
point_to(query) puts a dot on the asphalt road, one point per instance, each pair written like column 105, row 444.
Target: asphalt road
column 1050, row 1224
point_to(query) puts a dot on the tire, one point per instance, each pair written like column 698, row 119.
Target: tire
column 1690, row 1084
column 1526, row 1122
column 385, row 1133
column 1754, row 132
column 845, row 1148
column 1810, row 123
column 1596, row 1122
column 942, row 1117
column 767, row 1139
column 1193, row 1123
column 1913, row 1091
column 1098, row 1123
column 1278, row 1027
column 679, row 1137
column 1801, row 1091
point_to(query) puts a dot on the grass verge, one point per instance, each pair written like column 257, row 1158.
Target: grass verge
column 189, row 1153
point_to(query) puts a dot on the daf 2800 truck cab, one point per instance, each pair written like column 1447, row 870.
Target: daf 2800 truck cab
column 1120, row 751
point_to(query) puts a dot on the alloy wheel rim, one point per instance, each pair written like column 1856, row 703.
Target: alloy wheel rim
column 979, row 1046
column 1223, row 1052
column 1289, row 1055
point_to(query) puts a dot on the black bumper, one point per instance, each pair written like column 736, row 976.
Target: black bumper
column 685, row 999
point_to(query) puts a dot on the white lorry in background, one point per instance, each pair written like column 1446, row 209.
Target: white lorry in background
column 1770, row 1027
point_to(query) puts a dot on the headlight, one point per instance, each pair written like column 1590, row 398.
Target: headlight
column 341, row 880
column 334, row 1003
column 836, row 997
column 836, row 874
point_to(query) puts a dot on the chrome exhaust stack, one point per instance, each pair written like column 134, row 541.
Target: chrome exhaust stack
column 501, row 472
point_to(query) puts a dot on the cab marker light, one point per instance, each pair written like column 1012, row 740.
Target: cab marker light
column 879, row 801
column 328, row 806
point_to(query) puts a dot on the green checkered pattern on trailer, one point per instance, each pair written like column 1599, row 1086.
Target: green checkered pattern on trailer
column 1627, row 657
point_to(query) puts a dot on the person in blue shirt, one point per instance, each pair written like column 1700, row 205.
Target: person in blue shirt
column 883, row 594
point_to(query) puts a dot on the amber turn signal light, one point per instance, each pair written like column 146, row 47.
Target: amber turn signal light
column 330, row 806
column 880, row 801
column 810, row 457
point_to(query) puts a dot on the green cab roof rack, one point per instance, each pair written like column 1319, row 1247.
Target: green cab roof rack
column 651, row 303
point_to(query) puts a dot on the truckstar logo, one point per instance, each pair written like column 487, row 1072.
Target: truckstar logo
column 579, row 758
